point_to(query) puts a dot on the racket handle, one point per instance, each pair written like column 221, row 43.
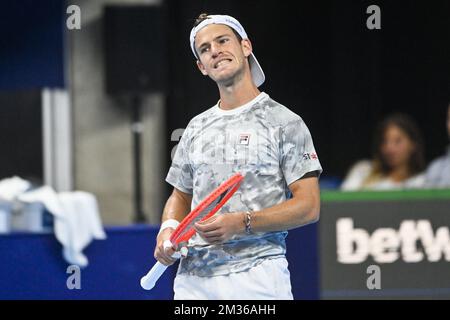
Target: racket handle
column 148, row 281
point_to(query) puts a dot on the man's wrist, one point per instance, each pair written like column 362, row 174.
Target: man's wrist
column 169, row 223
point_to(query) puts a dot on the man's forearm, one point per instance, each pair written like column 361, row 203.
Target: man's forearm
column 302, row 209
column 177, row 207
column 284, row 216
column 288, row 215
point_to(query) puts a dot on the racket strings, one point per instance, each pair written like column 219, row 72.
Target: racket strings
column 203, row 213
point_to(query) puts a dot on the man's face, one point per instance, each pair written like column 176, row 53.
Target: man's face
column 221, row 55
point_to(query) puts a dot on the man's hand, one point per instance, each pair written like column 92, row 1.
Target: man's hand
column 220, row 228
column 164, row 255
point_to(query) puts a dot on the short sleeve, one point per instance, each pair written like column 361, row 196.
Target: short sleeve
column 180, row 173
column 298, row 155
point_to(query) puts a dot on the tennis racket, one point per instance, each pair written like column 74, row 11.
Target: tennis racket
column 185, row 230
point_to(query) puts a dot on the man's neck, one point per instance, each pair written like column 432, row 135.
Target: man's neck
column 237, row 94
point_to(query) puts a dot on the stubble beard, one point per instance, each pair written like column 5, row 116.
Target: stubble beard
column 232, row 79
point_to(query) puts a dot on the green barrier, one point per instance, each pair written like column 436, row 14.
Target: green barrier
column 385, row 244
column 426, row 194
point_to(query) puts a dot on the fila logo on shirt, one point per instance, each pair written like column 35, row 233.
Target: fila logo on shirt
column 244, row 139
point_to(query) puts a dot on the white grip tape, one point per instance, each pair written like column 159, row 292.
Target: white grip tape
column 149, row 280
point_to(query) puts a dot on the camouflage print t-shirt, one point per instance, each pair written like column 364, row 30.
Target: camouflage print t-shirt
column 270, row 146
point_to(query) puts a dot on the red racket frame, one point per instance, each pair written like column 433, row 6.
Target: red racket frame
column 233, row 182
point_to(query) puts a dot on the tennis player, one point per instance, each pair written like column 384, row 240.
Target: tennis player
column 239, row 253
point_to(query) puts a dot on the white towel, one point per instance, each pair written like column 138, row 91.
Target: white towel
column 10, row 188
column 77, row 220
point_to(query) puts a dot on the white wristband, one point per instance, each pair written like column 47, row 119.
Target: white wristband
column 170, row 223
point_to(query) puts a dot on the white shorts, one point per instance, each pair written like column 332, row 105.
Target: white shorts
column 270, row 280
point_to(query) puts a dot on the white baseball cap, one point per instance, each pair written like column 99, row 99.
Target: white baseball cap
column 255, row 68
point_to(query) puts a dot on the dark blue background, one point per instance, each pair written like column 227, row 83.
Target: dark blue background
column 32, row 266
column 31, row 44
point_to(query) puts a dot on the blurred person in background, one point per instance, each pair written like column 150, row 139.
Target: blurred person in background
column 438, row 172
column 398, row 159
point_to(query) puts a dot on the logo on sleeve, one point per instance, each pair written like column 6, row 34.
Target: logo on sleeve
column 310, row 156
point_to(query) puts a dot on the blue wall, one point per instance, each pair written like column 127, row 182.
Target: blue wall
column 32, row 267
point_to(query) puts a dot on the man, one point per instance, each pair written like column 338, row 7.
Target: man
column 438, row 172
column 240, row 252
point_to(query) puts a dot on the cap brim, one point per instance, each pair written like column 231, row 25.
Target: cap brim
column 257, row 72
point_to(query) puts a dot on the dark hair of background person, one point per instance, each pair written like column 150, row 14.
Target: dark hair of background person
column 406, row 124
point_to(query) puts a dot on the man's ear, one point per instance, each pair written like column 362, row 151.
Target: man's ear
column 201, row 67
column 246, row 47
